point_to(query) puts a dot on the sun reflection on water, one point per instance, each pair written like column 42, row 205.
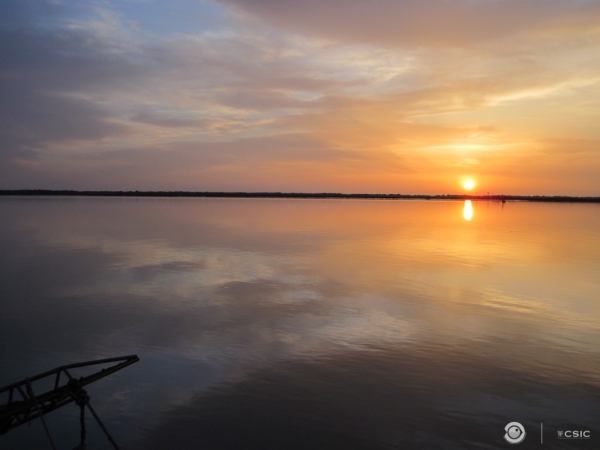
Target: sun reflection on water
column 468, row 210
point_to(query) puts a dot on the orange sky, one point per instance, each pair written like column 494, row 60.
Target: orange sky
column 363, row 96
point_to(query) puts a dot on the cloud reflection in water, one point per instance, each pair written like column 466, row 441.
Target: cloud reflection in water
column 333, row 320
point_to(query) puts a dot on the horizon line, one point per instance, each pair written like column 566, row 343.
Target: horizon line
column 274, row 194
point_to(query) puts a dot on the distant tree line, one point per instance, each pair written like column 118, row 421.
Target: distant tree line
column 322, row 195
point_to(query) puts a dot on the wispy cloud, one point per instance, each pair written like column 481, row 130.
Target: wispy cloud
column 370, row 96
column 442, row 23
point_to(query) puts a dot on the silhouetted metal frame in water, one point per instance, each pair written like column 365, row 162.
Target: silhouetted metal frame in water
column 23, row 405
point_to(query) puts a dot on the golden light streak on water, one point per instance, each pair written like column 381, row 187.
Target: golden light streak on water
column 468, row 210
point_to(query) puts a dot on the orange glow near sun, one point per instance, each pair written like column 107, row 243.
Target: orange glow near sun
column 468, row 184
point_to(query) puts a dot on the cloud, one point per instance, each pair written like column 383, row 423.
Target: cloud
column 288, row 160
column 279, row 93
column 167, row 119
column 44, row 70
column 436, row 23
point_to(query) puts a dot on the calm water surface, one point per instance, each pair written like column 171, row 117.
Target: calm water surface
column 307, row 324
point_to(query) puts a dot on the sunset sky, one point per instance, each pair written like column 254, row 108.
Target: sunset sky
column 373, row 96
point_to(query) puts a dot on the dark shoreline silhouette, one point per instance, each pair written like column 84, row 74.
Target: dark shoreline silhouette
column 323, row 195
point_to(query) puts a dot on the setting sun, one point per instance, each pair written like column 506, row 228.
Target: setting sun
column 468, row 184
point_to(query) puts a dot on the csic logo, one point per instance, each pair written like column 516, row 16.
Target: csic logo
column 574, row 434
column 515, row 433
